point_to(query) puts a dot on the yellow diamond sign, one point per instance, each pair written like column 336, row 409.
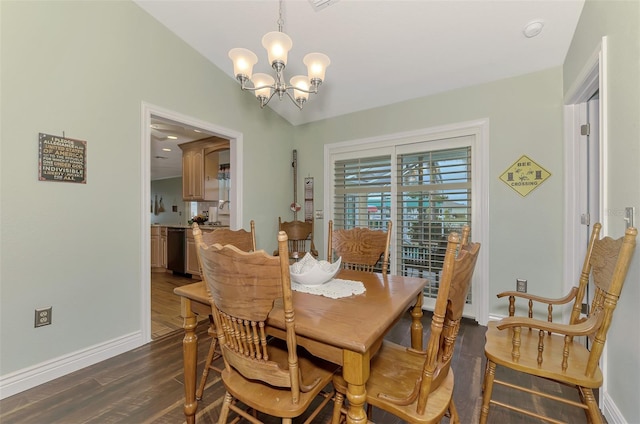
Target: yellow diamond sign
column 524, row 176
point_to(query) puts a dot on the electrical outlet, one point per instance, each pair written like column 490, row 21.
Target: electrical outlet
column 521, row 285
column 43, row 317
column 585, row 309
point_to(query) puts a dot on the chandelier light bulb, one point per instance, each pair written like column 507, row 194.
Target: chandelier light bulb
column 243, row 61
column 263, row 83
column 277, row 45
column 317, row 64
column 300, row 82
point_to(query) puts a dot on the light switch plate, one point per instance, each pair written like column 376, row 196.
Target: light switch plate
column 629, row 212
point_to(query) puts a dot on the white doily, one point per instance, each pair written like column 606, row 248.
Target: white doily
column 335, row 289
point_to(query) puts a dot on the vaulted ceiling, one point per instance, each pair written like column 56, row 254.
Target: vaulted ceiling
column 381, row 52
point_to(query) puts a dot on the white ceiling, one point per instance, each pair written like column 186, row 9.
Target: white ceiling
column 166, row 156
column 382, row 52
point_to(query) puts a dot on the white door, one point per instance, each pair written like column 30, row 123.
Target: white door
column 589, row 174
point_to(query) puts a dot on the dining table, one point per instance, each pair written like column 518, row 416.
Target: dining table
column 346, row 331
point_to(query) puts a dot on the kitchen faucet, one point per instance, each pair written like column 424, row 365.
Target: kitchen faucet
column 221, row 204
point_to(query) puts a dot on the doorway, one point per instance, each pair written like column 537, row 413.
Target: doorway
column 148, row 113
column 585, row 159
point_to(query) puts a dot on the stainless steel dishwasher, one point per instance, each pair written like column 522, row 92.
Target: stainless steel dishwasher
column 176, row 246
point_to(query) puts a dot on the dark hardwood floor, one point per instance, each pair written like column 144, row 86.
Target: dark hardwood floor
column 145, row 385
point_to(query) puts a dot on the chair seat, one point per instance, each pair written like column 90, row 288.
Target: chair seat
column 499, row 345
column 394, row 372
column 277, row 401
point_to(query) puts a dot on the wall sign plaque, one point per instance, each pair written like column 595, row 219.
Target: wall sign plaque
column 524, row 176
column 62, row 159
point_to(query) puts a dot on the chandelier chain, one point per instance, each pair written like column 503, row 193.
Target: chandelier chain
column 280, row 20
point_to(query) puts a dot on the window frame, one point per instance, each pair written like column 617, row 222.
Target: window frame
column 440, row 138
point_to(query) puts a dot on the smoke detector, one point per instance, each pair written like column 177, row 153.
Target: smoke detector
column 533, row 29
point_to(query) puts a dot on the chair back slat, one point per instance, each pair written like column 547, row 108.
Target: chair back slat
column 360, row 248
column 456, row 278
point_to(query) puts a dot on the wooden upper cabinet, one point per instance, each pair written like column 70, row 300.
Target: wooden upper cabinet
column 199, row 168
column 211, row 165
column 193, row 174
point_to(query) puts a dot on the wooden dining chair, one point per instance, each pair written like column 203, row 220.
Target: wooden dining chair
column 300, row 236
column 361, row 248
column 243, row 240
column 266, row 374
column 547, row 349
column 416, row 385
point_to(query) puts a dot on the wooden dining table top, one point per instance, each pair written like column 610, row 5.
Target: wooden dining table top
column 354, row 322
column 346, row 331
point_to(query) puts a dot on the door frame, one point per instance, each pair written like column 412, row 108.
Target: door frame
column 592, row 78
column 235, row 196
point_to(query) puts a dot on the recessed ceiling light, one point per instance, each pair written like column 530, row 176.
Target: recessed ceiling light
column 166, row 149
column 172, row 137
column 532, row 29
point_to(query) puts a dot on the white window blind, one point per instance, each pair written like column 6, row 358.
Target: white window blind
column 362, row 188
column 433, row 199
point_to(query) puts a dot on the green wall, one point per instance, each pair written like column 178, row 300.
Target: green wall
column 169, row 192
column 84, row 69
column 525, row 117
column 619, row 21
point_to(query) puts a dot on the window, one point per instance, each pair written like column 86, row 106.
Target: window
column 425, row 186
column 434, row 198
column 362, row 188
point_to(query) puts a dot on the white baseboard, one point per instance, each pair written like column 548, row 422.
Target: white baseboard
column 611, row 411
column 494, row 317
column 27, row 378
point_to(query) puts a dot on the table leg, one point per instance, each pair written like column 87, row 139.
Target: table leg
column 190, row 358
column 355, row 371
column 416, row 324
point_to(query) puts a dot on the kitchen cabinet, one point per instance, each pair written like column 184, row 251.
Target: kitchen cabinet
column 155, row 247
column 193, row 174
column 158, row 248
column 191, row 260
column 200, row 168
column 211, row 163
column 163, row 247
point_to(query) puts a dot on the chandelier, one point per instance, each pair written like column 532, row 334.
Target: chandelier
column 264, row 86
